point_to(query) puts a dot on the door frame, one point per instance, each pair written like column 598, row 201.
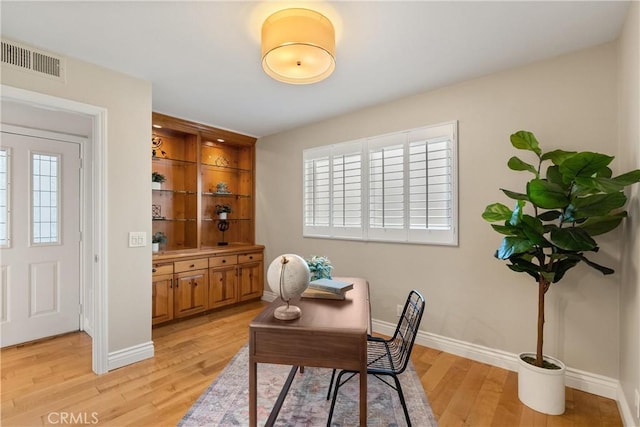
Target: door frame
column 93, row 262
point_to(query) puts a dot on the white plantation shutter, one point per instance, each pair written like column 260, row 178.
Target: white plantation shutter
column 317, row 201
column 431, row 185
column 333, row 191
column 400, row 187
column 386, row 187
column 346, row 196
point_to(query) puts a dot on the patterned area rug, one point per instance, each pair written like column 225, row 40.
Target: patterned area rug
column 226, row 401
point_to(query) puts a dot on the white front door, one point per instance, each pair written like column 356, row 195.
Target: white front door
column 39, row 237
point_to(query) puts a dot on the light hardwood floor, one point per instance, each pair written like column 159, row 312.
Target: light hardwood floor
column 44, row 380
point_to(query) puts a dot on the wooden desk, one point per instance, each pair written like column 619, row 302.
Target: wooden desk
column 329, row 334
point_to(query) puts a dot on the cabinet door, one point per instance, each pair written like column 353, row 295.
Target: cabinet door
column 222, row 286
column 191, row 292
column 162, row 297
column 250, row 275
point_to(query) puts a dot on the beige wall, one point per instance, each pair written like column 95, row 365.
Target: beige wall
column 569, row 102
column 629, row 117
column 128, row 104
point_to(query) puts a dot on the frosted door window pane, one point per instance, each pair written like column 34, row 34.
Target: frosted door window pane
column 45, row 177
column 4, row 197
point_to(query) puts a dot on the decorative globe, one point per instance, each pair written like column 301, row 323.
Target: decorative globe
column 288, row 276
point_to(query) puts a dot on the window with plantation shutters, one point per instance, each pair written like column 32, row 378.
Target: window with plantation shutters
column 399, row 187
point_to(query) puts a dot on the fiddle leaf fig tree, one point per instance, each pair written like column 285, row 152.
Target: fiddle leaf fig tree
column 570, row 198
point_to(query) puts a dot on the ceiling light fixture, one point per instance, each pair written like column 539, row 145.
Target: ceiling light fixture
column 298, row 46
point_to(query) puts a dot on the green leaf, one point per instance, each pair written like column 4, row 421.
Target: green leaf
column 562, row 266
column 524, row 140
column 573, row 239
column 546, row 195
column 496, row 212
column 557, row 157
column 598, row 204
column 555, row 177
column 516, row 164
column 604, row 173
column 514, row 195
column 597, row 225
column 587, row 185
column 513, row 245
column 534, row 230
column 600, row 268
column 508, row 230
column 628, row 178
column 550, row 215
column 584, row 164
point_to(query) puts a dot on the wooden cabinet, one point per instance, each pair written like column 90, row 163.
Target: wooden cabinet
column 191, row 292
column 162, row 293
column 223, row 288
column 250, row 274
column 214, row 261
column 204, row 168
column 195, row 282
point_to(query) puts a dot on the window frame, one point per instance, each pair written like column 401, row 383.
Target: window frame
column 446, row 132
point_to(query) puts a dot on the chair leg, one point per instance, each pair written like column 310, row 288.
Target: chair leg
column 333, row 375
column 402, row 401
column 335, row 395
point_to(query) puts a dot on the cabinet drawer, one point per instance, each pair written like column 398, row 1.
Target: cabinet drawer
column 158, row 269
column 194, row 264
column 221, row 261
column 256, row 256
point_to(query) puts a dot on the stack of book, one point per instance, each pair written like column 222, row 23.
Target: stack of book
column 327, row 289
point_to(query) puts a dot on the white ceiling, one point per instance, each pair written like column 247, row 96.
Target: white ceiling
column 203, row 58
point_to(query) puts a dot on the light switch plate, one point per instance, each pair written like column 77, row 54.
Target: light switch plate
column 137, row 239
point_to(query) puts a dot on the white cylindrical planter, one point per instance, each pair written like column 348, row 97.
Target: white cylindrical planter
column 223, row 215
column 155, row 247
column 541, row 389
column 156, row 185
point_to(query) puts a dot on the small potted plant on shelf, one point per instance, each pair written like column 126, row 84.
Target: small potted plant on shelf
column 549, row 231
column 223, row 210
column 320, row 267
column 158, row 237
column 156, row 180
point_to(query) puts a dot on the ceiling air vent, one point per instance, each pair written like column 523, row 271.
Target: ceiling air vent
column 32, row 60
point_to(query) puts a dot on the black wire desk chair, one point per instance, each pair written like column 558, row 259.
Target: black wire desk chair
column 389, row 357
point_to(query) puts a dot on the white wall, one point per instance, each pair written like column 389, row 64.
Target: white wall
column 128, row 104
column 629, row 137
column 570, row 103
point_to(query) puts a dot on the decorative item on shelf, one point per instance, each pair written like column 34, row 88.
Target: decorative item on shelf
column 223, row 210
column 156, row 212
column 222, row 161
column 320, row 267
column 288, row 276
column 156, row 142
column 572, row 200
column 223, row 225
column 156, row 180
column 158, row 237
column 222, row 188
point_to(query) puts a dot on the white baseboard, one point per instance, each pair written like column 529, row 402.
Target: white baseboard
column 268, row 296
column 127, row 356
column 628, row 420
column 580, row 380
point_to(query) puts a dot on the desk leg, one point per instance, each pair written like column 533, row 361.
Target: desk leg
column 253, row 393
column 363, row 398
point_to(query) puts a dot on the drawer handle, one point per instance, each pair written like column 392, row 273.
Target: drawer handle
column 224, row 260
column 251, row 257
column 192, row 265
column 153, row 270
